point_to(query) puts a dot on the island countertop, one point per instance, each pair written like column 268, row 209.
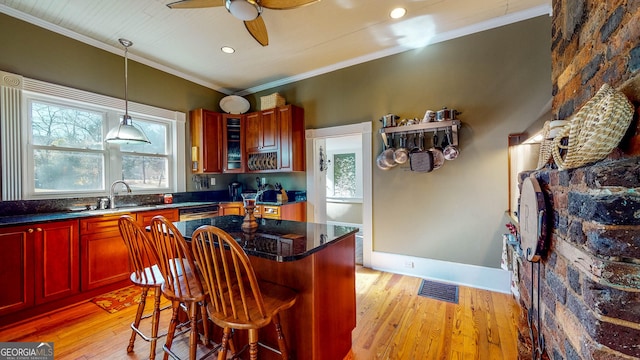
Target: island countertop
column 277, row 240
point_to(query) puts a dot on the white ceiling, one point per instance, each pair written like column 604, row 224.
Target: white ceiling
column 303, row 42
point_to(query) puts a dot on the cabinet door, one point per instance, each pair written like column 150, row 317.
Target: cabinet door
column 295, row 211
column 104, row 259
column 292, row 138
column 144, row 217
column 269, row 130
column 206, row 141
column 262, row 131
column 16, row 267
column 231, row 209
column 233, row 153
column 57, row 261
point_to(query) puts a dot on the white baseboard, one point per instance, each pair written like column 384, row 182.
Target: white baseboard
column 480, row 277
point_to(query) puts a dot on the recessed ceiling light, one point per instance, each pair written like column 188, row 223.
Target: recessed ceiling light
column 228, row 49
column 397, row 13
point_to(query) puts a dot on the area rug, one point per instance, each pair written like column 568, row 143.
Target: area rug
column 117, row 300
column 439, row 291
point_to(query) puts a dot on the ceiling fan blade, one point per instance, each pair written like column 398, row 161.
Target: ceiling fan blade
column 285, row 4
column 194, row 4
column 258, row 30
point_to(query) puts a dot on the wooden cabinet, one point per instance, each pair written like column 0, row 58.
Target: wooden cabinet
column 104, row 255
column 275, row 140
column 144, row 217
column 233, row 154
column 206, row 141
column 39, row 264
column 294, row 211
column 292, row 138
column 231, row 208
column 262, row 131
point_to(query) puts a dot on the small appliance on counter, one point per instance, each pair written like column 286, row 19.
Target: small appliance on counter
column 235, row 191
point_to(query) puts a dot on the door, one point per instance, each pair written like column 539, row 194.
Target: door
column 317, row 176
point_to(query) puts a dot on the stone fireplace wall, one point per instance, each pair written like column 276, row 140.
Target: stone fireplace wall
column 590, row 275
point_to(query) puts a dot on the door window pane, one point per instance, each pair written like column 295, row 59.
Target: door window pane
column 344, row 175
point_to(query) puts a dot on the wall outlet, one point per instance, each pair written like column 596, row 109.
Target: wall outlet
column 408, row 264
column 212, row 181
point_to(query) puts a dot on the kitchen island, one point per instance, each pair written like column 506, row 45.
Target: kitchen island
column 318, row 261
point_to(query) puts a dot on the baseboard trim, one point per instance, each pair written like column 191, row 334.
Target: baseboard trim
column 475, row 276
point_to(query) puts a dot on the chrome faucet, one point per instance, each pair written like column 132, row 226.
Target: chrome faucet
column 112, row 199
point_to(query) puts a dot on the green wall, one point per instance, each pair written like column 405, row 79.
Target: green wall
column 500, row 79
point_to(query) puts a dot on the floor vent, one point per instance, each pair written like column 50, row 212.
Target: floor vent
column 439, row 291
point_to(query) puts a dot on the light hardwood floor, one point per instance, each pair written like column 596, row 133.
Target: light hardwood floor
column 393, row 322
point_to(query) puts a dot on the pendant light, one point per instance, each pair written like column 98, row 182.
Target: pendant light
column 125, row 132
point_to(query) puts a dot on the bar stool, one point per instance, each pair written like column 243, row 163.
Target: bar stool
column 182, row 284
column 146, row 275
column 237, row 299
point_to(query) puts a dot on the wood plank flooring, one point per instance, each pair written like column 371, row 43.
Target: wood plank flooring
column 393, row 322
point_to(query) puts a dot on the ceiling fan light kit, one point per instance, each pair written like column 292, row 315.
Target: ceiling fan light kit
column 249, row 11
column 243, row 10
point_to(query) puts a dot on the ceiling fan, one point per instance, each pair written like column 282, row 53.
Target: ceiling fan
column 249, row 11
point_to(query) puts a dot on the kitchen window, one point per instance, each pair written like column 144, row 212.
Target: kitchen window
column 70, row 156
column 61, row 150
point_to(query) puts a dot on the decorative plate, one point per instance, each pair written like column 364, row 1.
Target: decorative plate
column 234, row 104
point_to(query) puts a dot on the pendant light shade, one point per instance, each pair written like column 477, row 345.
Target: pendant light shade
column 125, row 132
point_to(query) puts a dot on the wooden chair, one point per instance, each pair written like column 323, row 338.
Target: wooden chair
column 237, row 299
column 146, row 275
column 182, row 283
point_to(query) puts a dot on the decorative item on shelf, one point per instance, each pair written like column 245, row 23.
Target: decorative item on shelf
column 126, row 132
column 234, row 104
column 249, row 223
column 594, row 131
column 271, row 101
column 324, row 163
column 389, row 120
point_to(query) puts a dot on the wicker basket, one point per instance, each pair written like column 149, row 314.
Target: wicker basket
column 271, row 101
column 594, row 131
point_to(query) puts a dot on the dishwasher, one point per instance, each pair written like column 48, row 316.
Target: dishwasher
column 198, row 212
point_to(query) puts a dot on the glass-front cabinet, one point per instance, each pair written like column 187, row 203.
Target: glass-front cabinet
column 233, row 154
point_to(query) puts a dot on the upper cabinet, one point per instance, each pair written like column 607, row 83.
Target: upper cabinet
column 262, row 131
column 206, row 141
column 264, row 141
column 233, row 154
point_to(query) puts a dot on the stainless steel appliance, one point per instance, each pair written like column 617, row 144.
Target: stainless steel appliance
column 198, row 212
column 235, row 191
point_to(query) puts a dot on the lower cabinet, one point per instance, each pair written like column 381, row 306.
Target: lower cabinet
column 231, row 208
column 39, row 264
column 104, row 255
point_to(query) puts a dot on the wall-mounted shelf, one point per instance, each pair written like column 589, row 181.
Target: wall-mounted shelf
column 453, row 125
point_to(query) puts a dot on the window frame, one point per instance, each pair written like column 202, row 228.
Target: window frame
column 113, row 108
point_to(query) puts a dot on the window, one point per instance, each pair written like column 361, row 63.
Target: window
column 344, row 175
column 64, row 154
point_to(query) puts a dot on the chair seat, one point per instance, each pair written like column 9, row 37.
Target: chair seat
column 150, row 273
column 276, row 298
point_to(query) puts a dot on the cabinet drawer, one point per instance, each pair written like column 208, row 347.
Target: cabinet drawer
column 100, row 224
column 271, row 212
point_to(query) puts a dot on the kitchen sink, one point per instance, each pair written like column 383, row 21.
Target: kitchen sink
column 119, row 210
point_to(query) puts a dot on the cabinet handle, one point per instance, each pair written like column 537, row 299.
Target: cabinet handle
column 30, row 231
column 38, row 229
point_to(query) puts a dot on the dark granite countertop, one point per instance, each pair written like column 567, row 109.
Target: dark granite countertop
column 28, row 219
column 277, row 240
